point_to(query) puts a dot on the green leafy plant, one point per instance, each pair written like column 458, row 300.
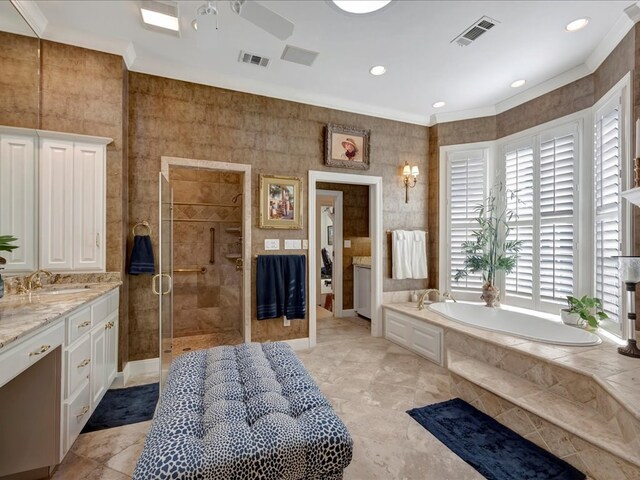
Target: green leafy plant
column 5, row 245
column 491, row 251
column 589, row 309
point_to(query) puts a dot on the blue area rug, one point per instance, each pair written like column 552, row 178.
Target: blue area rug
column 492, row 449
column 124, row 406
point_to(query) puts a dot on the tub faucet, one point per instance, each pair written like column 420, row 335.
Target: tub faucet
column 424, row 296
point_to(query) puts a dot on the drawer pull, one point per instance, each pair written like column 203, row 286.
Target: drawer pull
column 84, row 363
column 40, row 351
column 84, row 411
column 86, row 323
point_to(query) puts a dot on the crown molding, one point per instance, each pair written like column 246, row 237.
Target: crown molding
column 32, row 15
column 633, row 12
column 129, row 55
column 611, row 39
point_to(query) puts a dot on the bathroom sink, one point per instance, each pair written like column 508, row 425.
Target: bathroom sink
column 62, row 290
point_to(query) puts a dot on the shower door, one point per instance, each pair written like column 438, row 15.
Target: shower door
column 163, row 281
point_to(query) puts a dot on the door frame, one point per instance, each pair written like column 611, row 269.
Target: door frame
column 167, row 162
column 336, row 279
column 375, row 231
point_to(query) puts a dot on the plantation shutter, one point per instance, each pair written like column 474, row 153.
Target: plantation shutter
column 607, row 163
column 557, row 165
column 519, row 182
column 466, row 192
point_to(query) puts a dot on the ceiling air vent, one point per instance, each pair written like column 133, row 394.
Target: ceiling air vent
column 299, row 55
column 253, row 59
column 472, row 33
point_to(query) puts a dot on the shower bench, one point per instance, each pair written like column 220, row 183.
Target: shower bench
column 244, row 412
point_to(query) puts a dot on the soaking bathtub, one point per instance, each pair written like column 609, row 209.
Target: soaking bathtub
column 515, row 323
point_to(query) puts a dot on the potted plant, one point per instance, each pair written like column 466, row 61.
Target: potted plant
column 491, row 251
column 5, row 246
column 586, row 310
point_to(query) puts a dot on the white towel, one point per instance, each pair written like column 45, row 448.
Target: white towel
column 401, row 243
column 419, row 254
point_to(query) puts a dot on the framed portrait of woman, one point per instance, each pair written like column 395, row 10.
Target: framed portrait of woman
column 280, row 202
column 346, row 147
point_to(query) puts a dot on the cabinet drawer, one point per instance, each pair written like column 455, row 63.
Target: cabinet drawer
column 78, row 324
column 78, row 361
column 77, row 411
column 100, row 310
column 18, row 358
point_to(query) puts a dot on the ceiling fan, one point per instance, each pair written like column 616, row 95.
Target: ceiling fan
column 250, row 10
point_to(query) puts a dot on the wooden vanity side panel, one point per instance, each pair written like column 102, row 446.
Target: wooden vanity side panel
column 30, row 417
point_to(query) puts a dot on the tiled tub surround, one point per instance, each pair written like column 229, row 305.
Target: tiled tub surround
column 23, row 315
column 580, row 403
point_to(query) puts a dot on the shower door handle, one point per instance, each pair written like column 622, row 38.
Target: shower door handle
column 153, row 284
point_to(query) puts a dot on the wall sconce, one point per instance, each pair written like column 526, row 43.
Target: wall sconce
column 410, row 175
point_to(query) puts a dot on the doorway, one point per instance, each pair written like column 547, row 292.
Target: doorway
column 210, row 254
column 329, row 257
column 375, row 230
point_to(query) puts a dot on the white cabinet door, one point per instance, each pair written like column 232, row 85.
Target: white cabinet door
column 17, row 200
column 88, row 207
column 98, row 349
column 56, row 205
column 111, row 352
column 362, row 291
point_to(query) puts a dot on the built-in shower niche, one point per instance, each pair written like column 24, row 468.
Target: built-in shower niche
column 207, row 244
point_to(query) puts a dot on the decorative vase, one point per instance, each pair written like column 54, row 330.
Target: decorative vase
column 490, row 295
column 572, row 319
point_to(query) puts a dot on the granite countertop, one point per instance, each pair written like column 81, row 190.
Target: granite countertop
column 361, row 261
column 24, row 314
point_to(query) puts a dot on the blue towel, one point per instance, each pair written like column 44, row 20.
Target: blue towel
column 281, row 286
column 142, row 261
column 295, row 277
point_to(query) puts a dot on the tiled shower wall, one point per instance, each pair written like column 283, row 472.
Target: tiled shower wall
column 210, row 302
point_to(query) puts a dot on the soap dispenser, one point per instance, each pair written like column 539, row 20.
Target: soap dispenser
column 414, row 296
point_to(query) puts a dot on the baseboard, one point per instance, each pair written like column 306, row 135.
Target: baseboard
column 348, row 313
column 299, row 343
column 139, row 367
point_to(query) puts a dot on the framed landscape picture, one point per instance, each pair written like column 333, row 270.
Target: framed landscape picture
column 280, row 202
column 346, row 147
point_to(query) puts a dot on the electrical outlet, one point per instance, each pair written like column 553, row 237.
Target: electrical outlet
column 287, row 322
column 292, row 244
column 347, row 244
column 272, row 244
column 305, row 244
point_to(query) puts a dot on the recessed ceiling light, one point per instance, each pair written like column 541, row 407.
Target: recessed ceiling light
column 439, row 104
column 518, row 83
column 361, row 6
column 378, row 70
column 578, row 24
column 163, row 16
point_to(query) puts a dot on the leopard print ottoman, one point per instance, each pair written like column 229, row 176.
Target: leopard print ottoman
column 249, row 412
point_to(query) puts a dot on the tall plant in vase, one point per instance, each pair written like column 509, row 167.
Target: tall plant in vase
column 491, row 251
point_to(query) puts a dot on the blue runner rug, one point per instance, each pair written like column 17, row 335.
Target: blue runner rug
column 492, row 449
column 123, row 406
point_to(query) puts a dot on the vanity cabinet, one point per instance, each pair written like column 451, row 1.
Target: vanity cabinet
column 362, row 290
column 90, row 366
column 72, row 205
column 18, row 198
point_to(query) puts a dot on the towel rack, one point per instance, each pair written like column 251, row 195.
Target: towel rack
column 196, row 270
column 141, row 224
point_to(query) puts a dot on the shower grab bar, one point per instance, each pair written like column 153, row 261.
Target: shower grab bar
column 212, row 255
column 185, row 270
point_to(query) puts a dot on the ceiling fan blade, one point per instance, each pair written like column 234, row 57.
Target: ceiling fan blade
column 266, row 19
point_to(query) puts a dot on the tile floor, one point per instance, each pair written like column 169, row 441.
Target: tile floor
column 370, row 382
column 199, row 342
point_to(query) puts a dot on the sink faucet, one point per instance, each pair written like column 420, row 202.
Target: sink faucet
column 424, row 296
column 33, row 280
